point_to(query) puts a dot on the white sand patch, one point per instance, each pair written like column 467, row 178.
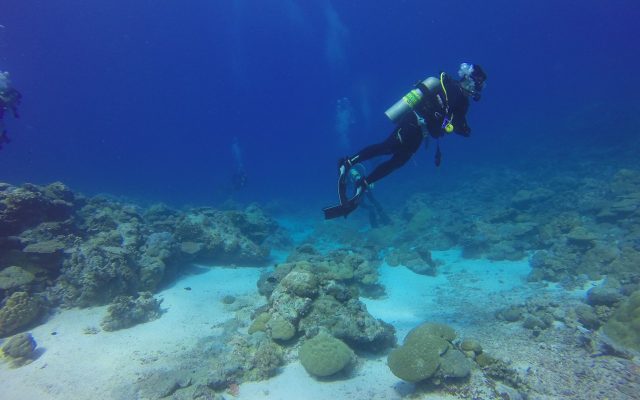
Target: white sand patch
column 370, row 381
column 461, row 290
column 76, row 365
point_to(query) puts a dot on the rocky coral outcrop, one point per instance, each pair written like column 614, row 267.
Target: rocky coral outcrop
column 249, row 358
column 536, row 314
column 213, row 236
column 356, row 269
column 77, row 251
column 19, row 348
column 127, row 311
column 624, row 326
column 20, row 310
column 28, row 205
column 417, row 259
column 14, row 277
column 318, row 295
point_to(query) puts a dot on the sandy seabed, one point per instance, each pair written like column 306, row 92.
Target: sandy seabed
column 76, row 364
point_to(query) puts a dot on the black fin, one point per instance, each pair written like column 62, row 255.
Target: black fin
column 339, row 210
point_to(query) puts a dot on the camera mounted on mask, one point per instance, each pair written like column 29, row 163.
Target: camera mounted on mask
column 472, row 79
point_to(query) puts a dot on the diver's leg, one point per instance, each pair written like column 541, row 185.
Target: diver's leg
column 407, row 141
column 383, row 148
column 379, row 211
column 374, row 150
column 387, row 167
column 373, row 216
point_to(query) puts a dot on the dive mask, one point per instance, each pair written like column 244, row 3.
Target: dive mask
column 472, row 79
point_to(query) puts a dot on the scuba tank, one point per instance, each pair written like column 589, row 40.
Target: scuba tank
column 405, row 104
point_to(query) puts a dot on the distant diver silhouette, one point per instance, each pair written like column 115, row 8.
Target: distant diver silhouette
column 239, row 177
column 9, row 100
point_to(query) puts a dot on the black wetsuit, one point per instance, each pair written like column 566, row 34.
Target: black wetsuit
column 406, row 138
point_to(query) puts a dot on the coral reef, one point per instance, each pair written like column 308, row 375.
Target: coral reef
column 572, row 228
column 127, row 311
column 70, row 250
column 79, row 251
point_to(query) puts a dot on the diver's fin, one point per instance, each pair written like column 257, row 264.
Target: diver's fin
column 339, row 211
column 342, row 189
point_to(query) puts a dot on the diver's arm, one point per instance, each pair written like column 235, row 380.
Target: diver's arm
column 461, row 127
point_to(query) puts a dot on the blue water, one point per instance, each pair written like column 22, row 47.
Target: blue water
column 143, row 99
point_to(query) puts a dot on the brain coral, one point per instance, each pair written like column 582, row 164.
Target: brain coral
column 624, row 325
column 428, row 352
column 21, row 345
column 325, row 355
column 414, row 363
column 20, row 310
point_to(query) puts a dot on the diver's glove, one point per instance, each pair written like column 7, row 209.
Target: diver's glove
column 464, row 131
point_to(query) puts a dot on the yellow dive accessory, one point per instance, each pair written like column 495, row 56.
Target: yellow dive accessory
column 447, row 124
column 448, row 127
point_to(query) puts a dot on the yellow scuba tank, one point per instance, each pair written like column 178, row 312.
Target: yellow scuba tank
column 405, row 104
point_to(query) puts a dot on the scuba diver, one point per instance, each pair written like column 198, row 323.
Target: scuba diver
column 435, row 107
column 9, row 100
column 377, row 215
column 238, row 180
column 239, row 176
